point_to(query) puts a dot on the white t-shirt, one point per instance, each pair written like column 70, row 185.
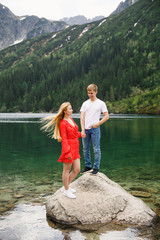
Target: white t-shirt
column 93, row 110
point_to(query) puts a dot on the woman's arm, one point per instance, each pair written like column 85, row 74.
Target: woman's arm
column 65, row 146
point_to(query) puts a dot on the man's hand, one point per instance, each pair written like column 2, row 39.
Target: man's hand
column 104, row 119
column 95, row 125
column 83, row 134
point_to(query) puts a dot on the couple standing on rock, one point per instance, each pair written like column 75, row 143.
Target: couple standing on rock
column 65, row 130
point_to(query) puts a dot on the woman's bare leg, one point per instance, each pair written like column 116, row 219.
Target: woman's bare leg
column 75, row 170
column 66, row 175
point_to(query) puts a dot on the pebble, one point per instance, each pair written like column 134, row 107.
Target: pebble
column 3, row 209
column 158, row 211
column 19, row 196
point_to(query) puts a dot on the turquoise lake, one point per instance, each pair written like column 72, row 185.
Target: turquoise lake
column 30, row 173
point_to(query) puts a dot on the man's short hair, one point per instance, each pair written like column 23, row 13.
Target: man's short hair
column 92, row 87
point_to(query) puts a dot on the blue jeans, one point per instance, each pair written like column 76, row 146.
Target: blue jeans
column 93, row 134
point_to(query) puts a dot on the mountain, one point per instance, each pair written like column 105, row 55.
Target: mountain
column 80, row 19
column 123, row 5
column 119, row 53
column 15, row 29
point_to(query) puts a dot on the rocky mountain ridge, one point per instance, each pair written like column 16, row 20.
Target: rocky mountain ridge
column 80, row 19
column 123, row 5
column 14, row 29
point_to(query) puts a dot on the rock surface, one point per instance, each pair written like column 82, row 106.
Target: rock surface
column 99, row 201
column 14, row 29
column 80, row 19
column 123, row 5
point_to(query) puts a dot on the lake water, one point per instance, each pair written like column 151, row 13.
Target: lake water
column 30, row 173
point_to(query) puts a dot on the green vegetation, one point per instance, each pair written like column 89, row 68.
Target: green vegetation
column 121, row 56
column 147, row 102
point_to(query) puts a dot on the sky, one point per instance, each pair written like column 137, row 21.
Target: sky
column 58, row 9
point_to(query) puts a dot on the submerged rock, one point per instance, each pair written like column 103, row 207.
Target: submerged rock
column 99, row 201
column 140, row 194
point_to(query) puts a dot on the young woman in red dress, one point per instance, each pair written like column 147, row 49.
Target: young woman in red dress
column 65, row 130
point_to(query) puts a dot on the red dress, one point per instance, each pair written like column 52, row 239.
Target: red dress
column 70, row 141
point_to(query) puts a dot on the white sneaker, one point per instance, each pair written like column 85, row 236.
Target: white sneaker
column 69, row 194
column 71, row 189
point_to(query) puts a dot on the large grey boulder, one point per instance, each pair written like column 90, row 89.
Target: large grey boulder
column 99, row 201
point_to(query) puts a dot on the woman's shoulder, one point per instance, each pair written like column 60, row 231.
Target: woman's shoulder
column 62, row 123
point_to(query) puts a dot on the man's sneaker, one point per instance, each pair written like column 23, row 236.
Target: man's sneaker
column 87, row 169
column 94, row 172
column 69, row 194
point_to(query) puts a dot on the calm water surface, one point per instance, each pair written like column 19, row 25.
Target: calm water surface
column 30, row 173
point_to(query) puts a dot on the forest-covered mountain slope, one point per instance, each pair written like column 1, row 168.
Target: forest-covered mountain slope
column 119, row 54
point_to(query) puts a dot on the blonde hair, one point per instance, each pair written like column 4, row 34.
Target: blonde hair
column 92, row 87
column 51, row 124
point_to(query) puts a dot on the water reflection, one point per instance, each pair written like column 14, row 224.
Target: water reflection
column 28, row 221
column 131, row 143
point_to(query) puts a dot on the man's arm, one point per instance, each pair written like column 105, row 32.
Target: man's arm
column 83, row 134
column 104, row 119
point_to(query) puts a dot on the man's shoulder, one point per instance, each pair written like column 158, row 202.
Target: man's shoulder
column 102, row 105
column 85, row 102
column 100, row 101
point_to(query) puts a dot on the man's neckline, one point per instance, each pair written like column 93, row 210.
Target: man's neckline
column 94, row 100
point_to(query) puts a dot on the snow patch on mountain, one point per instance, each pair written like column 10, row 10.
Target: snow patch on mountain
column 102, row 22
column 83, row 32
column 17, row 41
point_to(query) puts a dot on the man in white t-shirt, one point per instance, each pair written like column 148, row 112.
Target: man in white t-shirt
column 90, row 125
